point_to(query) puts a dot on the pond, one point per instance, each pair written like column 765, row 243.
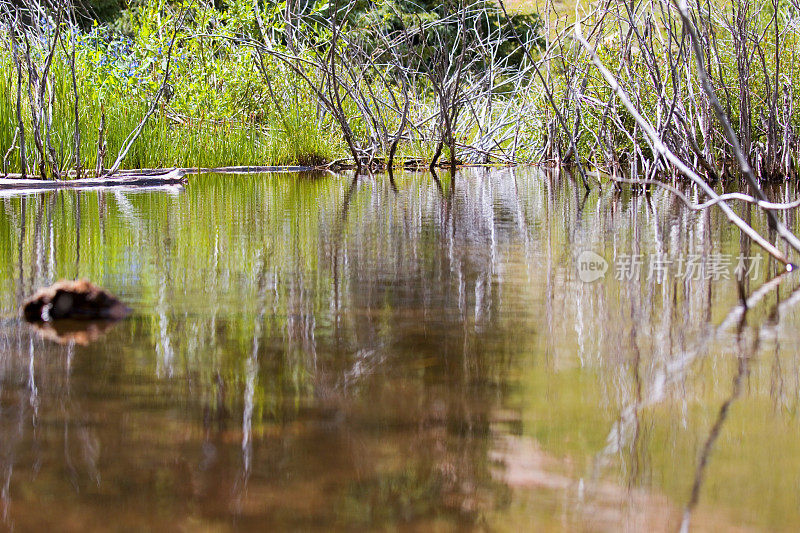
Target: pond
column 313, row 352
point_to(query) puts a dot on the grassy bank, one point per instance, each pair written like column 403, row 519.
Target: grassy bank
column 251, row 87
column 228, row 103
column 201, row 125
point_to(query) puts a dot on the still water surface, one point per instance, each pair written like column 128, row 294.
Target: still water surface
column 317, row 353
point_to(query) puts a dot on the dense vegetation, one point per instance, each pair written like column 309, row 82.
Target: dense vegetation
column 226, row 101
column 385, row 82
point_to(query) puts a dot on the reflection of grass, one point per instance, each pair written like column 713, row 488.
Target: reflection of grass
column 205, row 248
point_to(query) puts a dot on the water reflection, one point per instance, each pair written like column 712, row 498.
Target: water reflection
column 317, row 351
column 72, row 332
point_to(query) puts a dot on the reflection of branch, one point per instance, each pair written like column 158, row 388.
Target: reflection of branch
column 705, row 454
column 337, row 236
column 676, row 369
column 637, row 380
column 446, row 197
column 766, row 205
column 348, row 196
column 251, row 374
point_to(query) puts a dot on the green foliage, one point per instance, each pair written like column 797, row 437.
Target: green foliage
column 99, row 10
column 391, row 17
column 218, row 114
column 227, row 104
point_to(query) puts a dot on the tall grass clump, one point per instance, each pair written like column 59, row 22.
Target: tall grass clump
column 8, row 121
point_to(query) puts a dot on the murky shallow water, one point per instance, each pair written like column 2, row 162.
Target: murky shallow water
column 309, row 352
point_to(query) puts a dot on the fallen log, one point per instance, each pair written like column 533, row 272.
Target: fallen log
column 139, row 178
column 173, row 177
column 239, row 169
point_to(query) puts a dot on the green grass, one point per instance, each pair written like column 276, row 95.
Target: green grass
column 169, row 138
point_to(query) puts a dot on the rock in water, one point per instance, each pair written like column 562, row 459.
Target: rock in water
column 76, row 300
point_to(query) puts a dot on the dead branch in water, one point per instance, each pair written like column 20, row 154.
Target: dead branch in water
column 661, row 148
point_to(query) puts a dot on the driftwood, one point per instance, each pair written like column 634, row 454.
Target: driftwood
column 137, row 178
column 177, row 176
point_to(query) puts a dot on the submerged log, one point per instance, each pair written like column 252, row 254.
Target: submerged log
column 75, row 300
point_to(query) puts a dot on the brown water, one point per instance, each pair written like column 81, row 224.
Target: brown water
column 308, row 352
